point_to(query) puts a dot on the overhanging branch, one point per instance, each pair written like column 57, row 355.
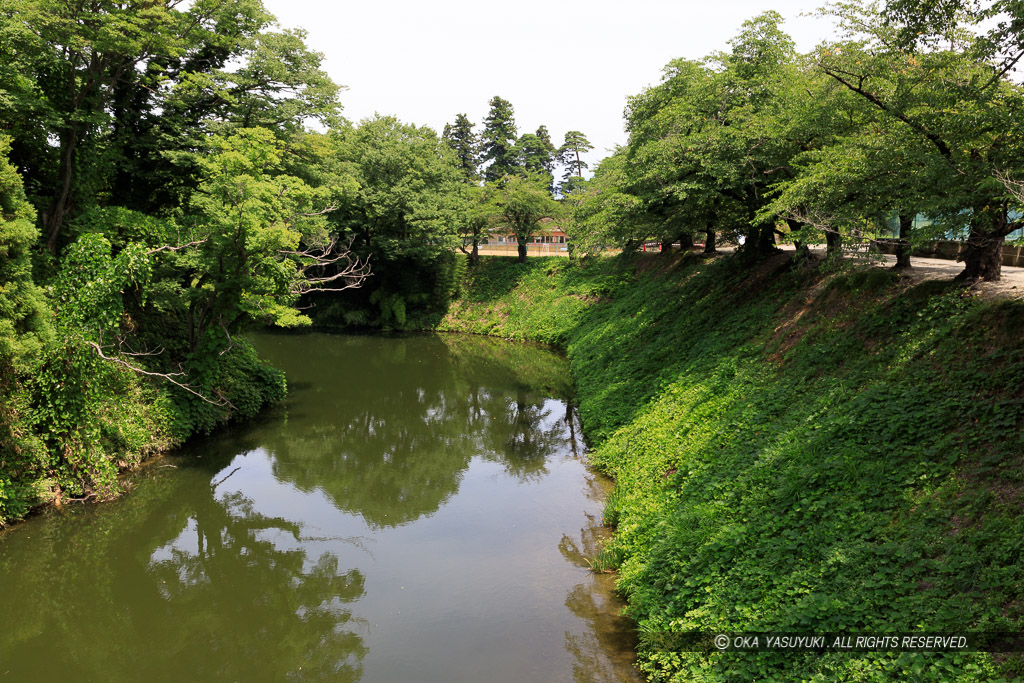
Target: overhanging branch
column 349, row 270
column 222, row 403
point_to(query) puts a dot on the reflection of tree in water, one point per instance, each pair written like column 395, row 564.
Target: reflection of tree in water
column 523, row 431
column 605, row 650
column 393, row 456
column 244, row 586
column 527, row 366
column 580, row 552
column 525, row 434
column 177, row 582
column 406, row 416
column 172, row 583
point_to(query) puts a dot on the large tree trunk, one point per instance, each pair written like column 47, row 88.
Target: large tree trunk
column 709, row 240
column 903, row 244
column 766, row 240
column 748, row 245
column 474, row 256
column 760, row 243
column 53, row 219
column 666, row 245
column 685, row 241
column 801, row 248
column 522, row 251
column 833, row 245
column 983, row 253
column 983, row 256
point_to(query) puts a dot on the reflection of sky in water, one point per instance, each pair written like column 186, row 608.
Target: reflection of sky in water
column 250, row 476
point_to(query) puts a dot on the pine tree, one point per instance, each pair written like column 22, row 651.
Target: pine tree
column 498, row 140
column 569, row 156
column 536, row 155
column 464, row 142
column 545, row 137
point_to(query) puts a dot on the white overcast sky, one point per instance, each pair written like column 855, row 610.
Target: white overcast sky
column 569, row 66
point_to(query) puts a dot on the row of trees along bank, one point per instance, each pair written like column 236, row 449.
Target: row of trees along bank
column 913, row 109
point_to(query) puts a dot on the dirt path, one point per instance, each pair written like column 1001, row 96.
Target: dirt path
column 1010, row 287
column 534, row 250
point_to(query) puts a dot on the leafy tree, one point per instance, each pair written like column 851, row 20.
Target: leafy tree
column 253, row 240
column 280, row 86
column 262, row 238
column 957, row 104
column 404, row 209
column 125, row 88
column 463, row 141
column 761, row 80
column 988, row 31
column 76, row 53
column 402, row 173
column 671, row 165
column 498, row 140
column 858, row 170
column 544, row 136
column 603, row 216
column 73, row 385
column 688, row 162
column 709, row 141
column 24, row 324
column 474, row 221
column 520, row 202
column 161, row 126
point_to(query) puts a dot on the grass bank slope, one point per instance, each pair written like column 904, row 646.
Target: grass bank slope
column 794, row 451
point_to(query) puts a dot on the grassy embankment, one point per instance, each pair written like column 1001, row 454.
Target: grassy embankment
column 794, row 451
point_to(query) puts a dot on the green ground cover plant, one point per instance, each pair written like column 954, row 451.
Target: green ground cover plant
column 794, row 451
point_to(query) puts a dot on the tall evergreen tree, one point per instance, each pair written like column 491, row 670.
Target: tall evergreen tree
column 498, row 140
column 545, row 137
column 570, row 157
column 464, row 142
column 536, row 155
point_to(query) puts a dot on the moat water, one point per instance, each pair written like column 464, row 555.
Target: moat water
column 417, row 509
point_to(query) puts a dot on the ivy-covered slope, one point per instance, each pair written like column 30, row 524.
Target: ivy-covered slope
column 794, row 451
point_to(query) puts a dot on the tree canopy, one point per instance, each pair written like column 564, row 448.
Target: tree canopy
column 911, row 112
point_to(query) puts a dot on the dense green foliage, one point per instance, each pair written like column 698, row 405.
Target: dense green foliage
column 156, row 200
column 24, row 331
column 498, row 139
column 519, row 172
column 795, row 450
column 570, row 154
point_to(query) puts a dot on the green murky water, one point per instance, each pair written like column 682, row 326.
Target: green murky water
column 417, row 510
